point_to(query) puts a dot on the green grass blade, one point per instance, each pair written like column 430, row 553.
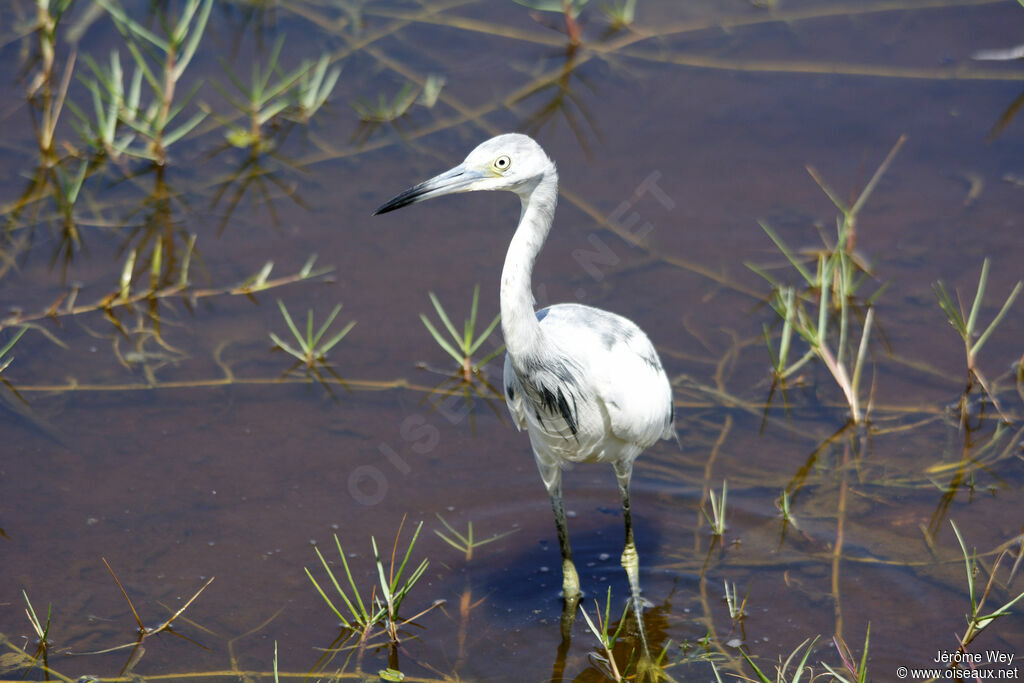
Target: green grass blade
column 484, row 335
column 952, row 311
column 786, row 252
column 862, row 351
column 386, row 589
column 184, row 129
column 291, row 324
column 800, row 667
column 465, row 541
column 323, row 328
column 976, row 305
column 14, row 340
column 287, row 348
column 862, row 672
column 836, row 199
column 471, row 323
column 882, row 168
column 327, row 599
column 441, row 341
column 491, row 356
column 195, row 35
column 763, row 273
column 995, row 321
column 760, row 675
column 123, row 20
column 408, row 551
column 351, row 582
column 444, row 317
column 969, row 565
column 333, row 341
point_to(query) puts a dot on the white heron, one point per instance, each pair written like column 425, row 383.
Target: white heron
column 587, row 384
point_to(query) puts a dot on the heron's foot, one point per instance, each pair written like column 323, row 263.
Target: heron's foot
column 631, row 563
column 570, row 582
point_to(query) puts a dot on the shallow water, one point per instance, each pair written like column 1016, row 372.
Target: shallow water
column 202, row 457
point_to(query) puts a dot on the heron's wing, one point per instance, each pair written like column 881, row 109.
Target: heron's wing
column 621, row 368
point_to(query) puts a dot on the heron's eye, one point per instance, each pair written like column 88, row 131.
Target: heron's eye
column 501, row 164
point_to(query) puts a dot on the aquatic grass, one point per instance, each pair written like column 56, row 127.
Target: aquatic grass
column 737, row 607
column 48, row 16
column 854, row 672
column 262, row 100
column 42, row 632
column 605, row 661
column 465, row 543
column 830, row 289
column 467, row 343
column 392, row 587
column 977, row 621
column 359, row 617
column 315, row 85
column 717, row 517
column 5, row 359
column 966, row 324
column 312, row 349
column 782, row 674
column 143, row 631
column 109, row 100
column 363, row 615
column 171, row 55
column 783, row 505
column 127, row 293
column 385, row 110
column 50, row 106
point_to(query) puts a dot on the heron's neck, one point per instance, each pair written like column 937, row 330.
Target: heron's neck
column 518, row 321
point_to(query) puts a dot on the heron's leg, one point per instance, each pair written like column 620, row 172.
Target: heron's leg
column 630, row 559
column 552, row 476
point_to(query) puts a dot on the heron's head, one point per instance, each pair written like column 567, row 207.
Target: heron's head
column 511, row 162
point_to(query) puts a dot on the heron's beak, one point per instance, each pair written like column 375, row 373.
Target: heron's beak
column 457, row 179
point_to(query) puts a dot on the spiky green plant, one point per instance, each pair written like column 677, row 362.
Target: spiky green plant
column 42, row 632
column 966, row 325
column 311, row 347
column 827, row 299
column 385, row 110
column 465, row 543
column 467, row 343
column 737, row 607
column 362, row 615
column 782, row 674
column 314, row 87
column 161, row 61
column 717, row 517
column 854, row 672
column 606, row 659
column 261, row 100
column 109, row 100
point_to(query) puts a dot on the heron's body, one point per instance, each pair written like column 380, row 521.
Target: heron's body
column 599, row 394
column 586, row 384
